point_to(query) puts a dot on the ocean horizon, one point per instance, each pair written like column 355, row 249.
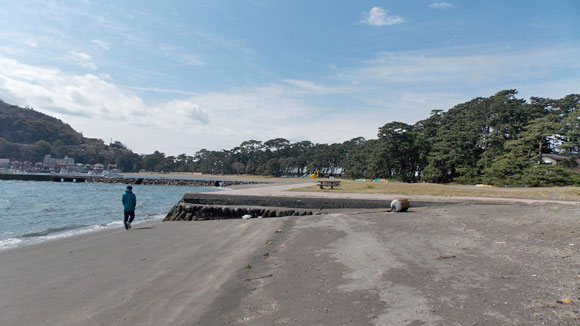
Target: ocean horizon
column 33, row 212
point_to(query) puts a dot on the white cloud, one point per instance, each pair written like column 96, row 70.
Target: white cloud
column 82, row 59
column 31, row 43
column 89, row 100
column 214, row 120
column 184, row 109
column 441, row 5
column 102, row 45
column 378, row 16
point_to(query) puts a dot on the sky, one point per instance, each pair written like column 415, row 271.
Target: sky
column 181, row 76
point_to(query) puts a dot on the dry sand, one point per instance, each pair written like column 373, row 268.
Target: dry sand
column 155, row 274
column 457, row 264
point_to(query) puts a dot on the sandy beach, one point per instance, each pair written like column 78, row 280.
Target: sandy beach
column 466, row 263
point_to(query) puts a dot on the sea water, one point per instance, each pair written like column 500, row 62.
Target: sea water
column 33, row 211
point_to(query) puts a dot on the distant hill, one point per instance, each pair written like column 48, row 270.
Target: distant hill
column 28, row 135
column 27, row 126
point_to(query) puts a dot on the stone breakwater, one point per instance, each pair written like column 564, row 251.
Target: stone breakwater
column 170, row 182
column 192, row 212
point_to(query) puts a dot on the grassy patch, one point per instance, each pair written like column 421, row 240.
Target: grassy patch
column 429, row 189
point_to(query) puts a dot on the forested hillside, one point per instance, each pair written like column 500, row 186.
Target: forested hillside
column 28, row 135
column 26, row 126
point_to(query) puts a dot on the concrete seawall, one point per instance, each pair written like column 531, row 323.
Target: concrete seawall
column 204, row 206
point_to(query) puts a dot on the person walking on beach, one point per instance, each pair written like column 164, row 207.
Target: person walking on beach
column 129, row 202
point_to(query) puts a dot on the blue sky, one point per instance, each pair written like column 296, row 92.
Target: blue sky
column 179, row 76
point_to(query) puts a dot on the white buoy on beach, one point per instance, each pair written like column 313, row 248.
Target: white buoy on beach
column 247, row 216
column 400, row 205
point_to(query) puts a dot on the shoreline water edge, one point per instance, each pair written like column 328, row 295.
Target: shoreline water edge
column 34, row 212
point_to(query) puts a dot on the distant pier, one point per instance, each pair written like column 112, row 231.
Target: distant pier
column 76, row 178
column 44, row 177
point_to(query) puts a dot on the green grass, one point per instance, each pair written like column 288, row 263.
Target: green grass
column 430, row 189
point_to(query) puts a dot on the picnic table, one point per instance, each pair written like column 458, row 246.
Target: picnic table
column 327, row 183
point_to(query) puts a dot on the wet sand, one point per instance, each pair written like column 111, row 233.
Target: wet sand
column 457, row 264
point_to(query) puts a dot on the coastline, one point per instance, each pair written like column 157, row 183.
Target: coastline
column 34, row 211
column 460, row 263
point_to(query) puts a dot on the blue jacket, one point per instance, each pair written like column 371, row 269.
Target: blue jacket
column 129, row 201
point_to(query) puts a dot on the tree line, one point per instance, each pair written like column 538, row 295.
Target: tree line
column 499, row 140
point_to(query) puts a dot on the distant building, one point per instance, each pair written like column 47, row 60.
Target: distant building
column 27, row 166
column 16, row 165
column 59, row 164
column 49, row 163
column 80, row 168
column 98, row 168
column 4, row 163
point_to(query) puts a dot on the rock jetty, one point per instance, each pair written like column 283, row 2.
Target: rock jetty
column 183, row 211
column 170, row 182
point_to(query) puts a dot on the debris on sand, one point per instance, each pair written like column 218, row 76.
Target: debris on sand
column 257, row 278
column 446, row 257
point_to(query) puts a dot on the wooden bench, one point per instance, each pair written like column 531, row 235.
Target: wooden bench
column 327, row 183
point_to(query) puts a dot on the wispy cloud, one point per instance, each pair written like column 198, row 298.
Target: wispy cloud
column 441, row 5
column 180, row 55
column 379, row 16
column 311, row 88
column 100, row 108
column 102, row 45
column 262, row 4
column 157, row 90
column 82, row 59
column 461, row 65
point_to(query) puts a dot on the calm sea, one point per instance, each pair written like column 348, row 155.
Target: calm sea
column 33, row 212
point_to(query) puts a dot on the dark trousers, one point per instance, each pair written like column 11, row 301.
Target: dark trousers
column 130, row 215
